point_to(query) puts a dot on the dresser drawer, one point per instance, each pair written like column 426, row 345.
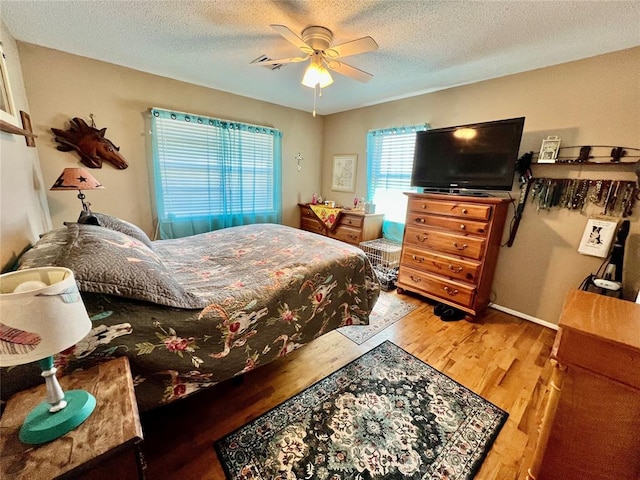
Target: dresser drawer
column 456, row 209
column 466, row 246
column 346, row 234
column 312, row 225
column 459, row 293
column 461, row 225
column 465, row 270
column 306, row 212
column 350, row 220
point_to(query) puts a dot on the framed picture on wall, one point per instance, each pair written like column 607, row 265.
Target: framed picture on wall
column 597, row 237
column 7, row 108
column 343, row 178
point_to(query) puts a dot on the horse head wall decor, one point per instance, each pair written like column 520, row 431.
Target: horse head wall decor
column 90, row 143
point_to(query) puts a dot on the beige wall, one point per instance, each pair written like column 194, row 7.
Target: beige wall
column 24, row 213
column 61, row 86
column 594, row 101
column 589, row 102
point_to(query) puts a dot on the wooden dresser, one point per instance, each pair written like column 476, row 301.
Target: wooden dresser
column 450, row 248
column 591, row 425
column 353, row 226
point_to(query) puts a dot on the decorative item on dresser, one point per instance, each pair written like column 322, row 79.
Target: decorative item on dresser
column 591, row 424
column 351, row 226
column 450, row 248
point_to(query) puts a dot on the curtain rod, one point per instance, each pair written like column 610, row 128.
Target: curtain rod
column 213, row 118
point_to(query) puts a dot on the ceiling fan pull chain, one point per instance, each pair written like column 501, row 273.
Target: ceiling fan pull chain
column 315, row 91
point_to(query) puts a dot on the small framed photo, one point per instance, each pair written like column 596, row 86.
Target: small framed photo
column 8, row 111
column 597, row 237
column 343, row 178
column 549, row 150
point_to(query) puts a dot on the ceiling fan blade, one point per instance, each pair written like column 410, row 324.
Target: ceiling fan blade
column 361, row 45
column 349, row 71
column 292, row 37
column 269, row 61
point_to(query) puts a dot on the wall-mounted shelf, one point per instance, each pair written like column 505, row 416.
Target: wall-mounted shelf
column 582, row 155
column 588, row 164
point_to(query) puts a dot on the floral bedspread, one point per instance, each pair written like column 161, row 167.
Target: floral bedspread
column 269, row 290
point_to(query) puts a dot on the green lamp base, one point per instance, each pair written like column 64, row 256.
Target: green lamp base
column 42, row 426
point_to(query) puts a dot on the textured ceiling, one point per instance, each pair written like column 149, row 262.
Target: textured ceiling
column 424, row 46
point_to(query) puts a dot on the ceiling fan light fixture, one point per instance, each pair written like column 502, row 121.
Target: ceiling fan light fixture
column 316, row 74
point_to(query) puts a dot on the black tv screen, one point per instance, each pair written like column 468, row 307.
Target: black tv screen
column 480, row 156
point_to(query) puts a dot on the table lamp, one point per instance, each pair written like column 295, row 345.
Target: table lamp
column 41, row 314
column 77, row 179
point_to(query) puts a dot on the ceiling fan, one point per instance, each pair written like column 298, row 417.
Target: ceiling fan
column 316, row 45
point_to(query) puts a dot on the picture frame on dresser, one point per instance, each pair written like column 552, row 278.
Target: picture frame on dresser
column 8, row 112
column 343, row 176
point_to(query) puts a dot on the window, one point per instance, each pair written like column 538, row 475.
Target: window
column 389, row 166
column 211, row 174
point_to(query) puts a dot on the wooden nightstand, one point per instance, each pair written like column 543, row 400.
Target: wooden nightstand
column 106, row 445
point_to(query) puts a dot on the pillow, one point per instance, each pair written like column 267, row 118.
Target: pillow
column 116, row 224
column 111, row 262
column 47, row 249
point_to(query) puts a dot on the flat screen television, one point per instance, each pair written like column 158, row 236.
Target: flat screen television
column 476, row 157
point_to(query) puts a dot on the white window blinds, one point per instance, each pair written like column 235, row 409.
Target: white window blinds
column 389, row 165
column 215, row 172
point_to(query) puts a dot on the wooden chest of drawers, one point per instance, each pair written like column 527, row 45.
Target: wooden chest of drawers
column 353, row 226
column 591, row 424
column 450, row 248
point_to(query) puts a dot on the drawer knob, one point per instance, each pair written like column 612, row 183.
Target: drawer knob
column 349, row 222
column 465, row 211
column 455, row 269
column 463, row 226
column 460, row 247
column 421, row 238
column 415, row 279
column 417, row 258
column 451, row 291
column 420, row 220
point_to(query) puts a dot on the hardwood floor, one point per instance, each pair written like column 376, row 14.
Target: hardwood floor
column 501, row 357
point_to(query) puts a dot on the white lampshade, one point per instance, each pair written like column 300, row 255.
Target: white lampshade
column 41, row 314
column 316, row 74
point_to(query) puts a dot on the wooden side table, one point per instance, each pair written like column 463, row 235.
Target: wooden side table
column 106, row 445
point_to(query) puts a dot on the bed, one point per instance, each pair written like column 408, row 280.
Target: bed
column 192, row 312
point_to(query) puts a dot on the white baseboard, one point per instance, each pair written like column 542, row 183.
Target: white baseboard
column 524, row 316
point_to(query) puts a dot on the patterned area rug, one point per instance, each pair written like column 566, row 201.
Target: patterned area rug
column 386, row 415
column 388, row 310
